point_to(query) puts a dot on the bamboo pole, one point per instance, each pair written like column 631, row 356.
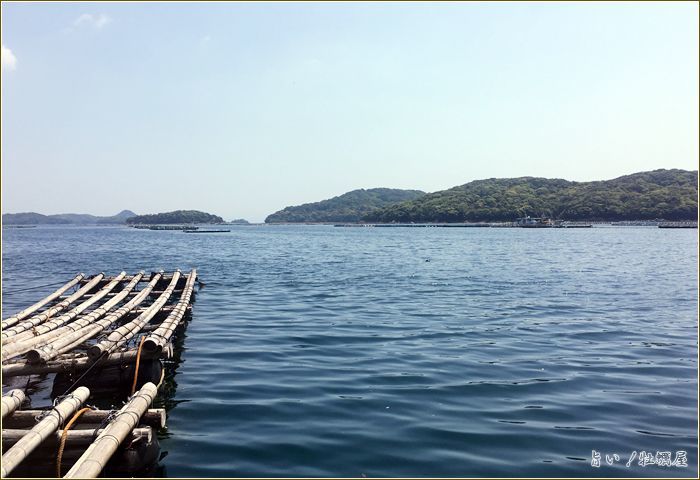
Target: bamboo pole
column 161, row 336
column 122, row 334
column 45, row 315
column 70, row 340
column 14, row 349
column 48, row 331
column 29, row 329
column 70, row 364
column 11, row 401
column 93, row 461
column 23, row 419
column 74, row 438
column 9, row 321
column 19, row 451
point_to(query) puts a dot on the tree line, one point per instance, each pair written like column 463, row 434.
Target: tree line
column 658, row 194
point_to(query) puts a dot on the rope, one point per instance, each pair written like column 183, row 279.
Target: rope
column 64, row 436
column 162, row 376
column 56, row 401
column 94, row 364
column 138, row 361
column 106, row 421
column 34, row 288
column 156, row 334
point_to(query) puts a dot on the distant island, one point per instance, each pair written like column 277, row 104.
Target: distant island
column 670, row 195
column 353, row 206
column 659, row 194
column 176, row 217
column 33, row 218
column 239, row 221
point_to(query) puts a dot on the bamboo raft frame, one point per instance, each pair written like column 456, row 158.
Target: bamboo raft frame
column 89, row 338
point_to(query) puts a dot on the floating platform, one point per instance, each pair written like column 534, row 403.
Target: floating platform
column 413, row 225
column 678, row 225
column 465, row 225
column 165, row 227
column 104, row 340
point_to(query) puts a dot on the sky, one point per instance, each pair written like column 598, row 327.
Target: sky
column 241, row 109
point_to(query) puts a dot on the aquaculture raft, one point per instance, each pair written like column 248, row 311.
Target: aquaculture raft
column 105, row 340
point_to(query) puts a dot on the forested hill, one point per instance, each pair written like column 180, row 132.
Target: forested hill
column 666, row 194
column 33, row 218
column 176, row 217
column 349, row 207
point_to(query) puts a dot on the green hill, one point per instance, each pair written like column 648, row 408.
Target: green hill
column 667, row 194
column 32, row 218
column 176, row 217
column 349, row 207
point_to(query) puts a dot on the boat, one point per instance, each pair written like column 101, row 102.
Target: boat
column 543, row 222
column 533, row 222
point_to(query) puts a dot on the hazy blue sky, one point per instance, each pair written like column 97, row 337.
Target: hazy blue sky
column 242, row 109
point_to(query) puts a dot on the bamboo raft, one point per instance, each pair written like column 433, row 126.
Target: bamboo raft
column 103, row 339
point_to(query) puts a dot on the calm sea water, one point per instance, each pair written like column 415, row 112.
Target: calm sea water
column 321, row 351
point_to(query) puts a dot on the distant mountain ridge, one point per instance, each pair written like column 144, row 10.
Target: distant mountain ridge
column 658, row 194
column 33, row 218
column 349, row 207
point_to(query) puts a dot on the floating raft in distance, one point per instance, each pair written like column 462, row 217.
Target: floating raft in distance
column 185, row 228
column 460, row 225
column 413, row 225
column 108, row 336
column 678, row 225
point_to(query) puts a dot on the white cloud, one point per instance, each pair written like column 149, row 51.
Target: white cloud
column 9, row 61
column 205, row 39
column 92, row 21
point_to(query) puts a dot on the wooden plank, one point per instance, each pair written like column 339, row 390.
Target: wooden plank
column 153, row 293
column 74, row 364
column 154, row 417
column 74, row 437
column 146, row 278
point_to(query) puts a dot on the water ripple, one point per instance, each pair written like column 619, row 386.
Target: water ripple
column 320, row 351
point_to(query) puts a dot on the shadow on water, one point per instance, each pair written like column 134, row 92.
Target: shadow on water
column 168, row 390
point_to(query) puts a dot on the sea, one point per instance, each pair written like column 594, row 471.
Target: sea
column 390, row 352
